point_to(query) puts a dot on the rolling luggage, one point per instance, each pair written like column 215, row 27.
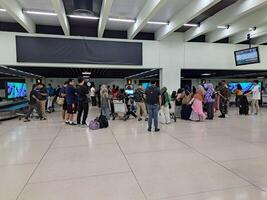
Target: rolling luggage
column 244, row 106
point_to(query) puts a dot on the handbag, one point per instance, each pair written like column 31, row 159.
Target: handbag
column 94, row 124
column 60, row 101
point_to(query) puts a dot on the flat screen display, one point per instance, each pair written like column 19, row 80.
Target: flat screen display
column 129, row 92
column 16, row 90
column 246, row 86
column 146, row 85
column 247, row 56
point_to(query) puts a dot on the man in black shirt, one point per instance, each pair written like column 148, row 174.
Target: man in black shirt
column 153, row 100
column 83, row 106
column 33, row 104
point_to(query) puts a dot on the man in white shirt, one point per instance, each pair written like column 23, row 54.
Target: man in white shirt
column 92, row 95
column 256, row 96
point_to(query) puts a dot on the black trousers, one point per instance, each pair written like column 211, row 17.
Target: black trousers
column 83, row 108
column 93, row 101
column 210, row 110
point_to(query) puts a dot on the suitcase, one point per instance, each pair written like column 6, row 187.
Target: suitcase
column 244, row 106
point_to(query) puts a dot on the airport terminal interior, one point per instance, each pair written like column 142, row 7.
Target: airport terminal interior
column 133, row 99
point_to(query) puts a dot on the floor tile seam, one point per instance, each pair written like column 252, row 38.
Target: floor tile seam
column 128, row 163
column 157, row 151
column 77, row 146
column 80, row 177
column 209, row 191
column 226, row 168
column 38, row 164
column 18, row 164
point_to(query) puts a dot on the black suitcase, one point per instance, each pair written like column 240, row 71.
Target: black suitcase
column 244, row 106
column 186, row 112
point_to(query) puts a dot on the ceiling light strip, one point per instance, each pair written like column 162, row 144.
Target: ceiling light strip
column 192, row 25
column 83, row 17
column 2, row 10
column 121, row 20
column 40, row 13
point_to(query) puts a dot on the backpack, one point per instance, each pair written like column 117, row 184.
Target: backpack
column 94, row 124
column 103, row 121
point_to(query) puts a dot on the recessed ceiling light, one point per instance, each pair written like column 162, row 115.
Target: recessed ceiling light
column 121, row 20
column 86, row 73
column 2, row 10
column 83, row 17
column 32, row 12
column 205, row 74
column 191, row 25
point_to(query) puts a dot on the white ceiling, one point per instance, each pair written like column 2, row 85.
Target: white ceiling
column 170, row 9
column 5, row 17
column 36, row 4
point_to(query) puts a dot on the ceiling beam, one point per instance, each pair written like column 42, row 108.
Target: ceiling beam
column 184, row 16
column 241, row 37
column 259, row 40
column 256, row 19
column 106, row 6
column 61, row 14
column 15, row 10
column 149, row 10
column 225, row 17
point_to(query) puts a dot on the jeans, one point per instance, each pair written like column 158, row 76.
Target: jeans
column 106, row 112
column 153, row 111
column 31, row 108
column 82, row 109
column 210, row 110
column 49, row 102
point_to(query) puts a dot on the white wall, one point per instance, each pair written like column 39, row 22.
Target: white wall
column 171, row 55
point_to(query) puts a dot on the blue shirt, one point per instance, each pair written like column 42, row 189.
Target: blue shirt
column 70, row 94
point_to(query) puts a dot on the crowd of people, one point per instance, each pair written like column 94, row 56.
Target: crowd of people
column 154, row 105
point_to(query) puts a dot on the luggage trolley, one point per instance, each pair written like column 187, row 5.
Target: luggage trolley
column 120, row 109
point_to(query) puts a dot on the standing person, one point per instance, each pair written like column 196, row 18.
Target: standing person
column 99, row 96
column 186, row 108
column 50, row 97
column 71, row 102
column 42, row 96
column 105, row 102
column 238, row 95
column 153, row 100
column 256, row 96
column 83, row 106
column 93, row 95
column 139, row 97
column 33, row 104
column 209, row 100
column 178, row 103
column 225, row 94
column 197, row 113
column 62, row 94
column 165, row 105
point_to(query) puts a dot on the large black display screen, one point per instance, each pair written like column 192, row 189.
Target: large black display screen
column 247, row 56
column 80, row 51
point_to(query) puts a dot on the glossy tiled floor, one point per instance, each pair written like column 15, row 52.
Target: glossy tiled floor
column 214, row 160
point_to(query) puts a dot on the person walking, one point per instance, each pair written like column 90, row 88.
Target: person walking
column 139, row 97
column 256, row 96
column 153, row 100
column 165, row 105
column 209, row 100
column 33, row 104
column 71, row 102
column 50, row 97
column 83, row 105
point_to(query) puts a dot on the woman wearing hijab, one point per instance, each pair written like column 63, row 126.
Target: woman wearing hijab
column 105, row 102
column 197, row 113
column 209, row 100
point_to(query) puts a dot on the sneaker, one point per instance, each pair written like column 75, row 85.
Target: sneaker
column 27, row 120
column 84, row 126
column 140, row 119
column 66, row 122
column 157, row 130
column 222, row 116
column 72, row 124
column 43, row 118
column 149, row 129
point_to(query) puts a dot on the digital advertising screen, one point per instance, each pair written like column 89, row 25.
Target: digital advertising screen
column 246, row 86
column 16, row 90
column 247, row 56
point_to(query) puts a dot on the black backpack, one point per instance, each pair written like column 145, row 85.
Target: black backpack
column 103, row 121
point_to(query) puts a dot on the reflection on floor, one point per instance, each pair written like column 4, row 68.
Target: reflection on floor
column 224, row 159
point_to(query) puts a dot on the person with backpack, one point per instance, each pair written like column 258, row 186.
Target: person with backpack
column 153, row 100
column 139, row 97
column 224, row 93
column 165, row 105
column 209, row 100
